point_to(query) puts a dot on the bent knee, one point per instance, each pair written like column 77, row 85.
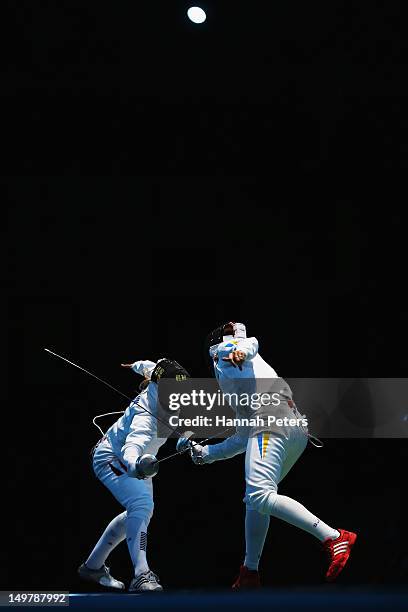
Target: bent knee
column 141, row 507
column 262, row 500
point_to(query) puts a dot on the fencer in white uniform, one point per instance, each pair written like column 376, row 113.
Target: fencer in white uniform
column 270, row 453
column 124, row 461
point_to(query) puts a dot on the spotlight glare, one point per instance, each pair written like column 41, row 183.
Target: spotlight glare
column 196, row 14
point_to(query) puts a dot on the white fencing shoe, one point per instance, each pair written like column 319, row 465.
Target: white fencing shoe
column 145, row 582
column 100, row 576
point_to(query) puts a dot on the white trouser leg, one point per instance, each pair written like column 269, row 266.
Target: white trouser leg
column 136, row 537
column 269, row 457
column 136, row 496
column 111, row 537
column 256, row 528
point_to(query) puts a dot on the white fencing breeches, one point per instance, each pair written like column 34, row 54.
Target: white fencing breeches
column 136, row 496
column 269, row 457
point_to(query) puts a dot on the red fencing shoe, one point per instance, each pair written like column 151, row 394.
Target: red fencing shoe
column 247, row 579
column 339, row 551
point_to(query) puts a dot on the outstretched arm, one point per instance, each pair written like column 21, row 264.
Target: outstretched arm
column 144, row 368
column 234, row 445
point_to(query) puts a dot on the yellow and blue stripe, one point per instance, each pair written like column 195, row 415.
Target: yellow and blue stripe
column 263, row 439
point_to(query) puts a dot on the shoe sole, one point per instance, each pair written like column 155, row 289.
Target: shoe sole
column 145, row 592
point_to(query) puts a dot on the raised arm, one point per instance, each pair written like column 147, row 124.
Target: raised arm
column 142, row 367
column 244, row 350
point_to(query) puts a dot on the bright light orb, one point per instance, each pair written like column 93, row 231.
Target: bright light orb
column 196, row 14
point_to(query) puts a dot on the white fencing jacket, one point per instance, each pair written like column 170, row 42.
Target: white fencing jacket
column 254, row 367
column 135, row 432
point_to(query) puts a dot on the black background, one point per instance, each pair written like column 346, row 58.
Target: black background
column 165, row 177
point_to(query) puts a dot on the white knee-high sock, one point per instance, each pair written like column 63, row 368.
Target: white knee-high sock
column 136, row 536
column 292, row 512
column 111, row 537
column 256, row 528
